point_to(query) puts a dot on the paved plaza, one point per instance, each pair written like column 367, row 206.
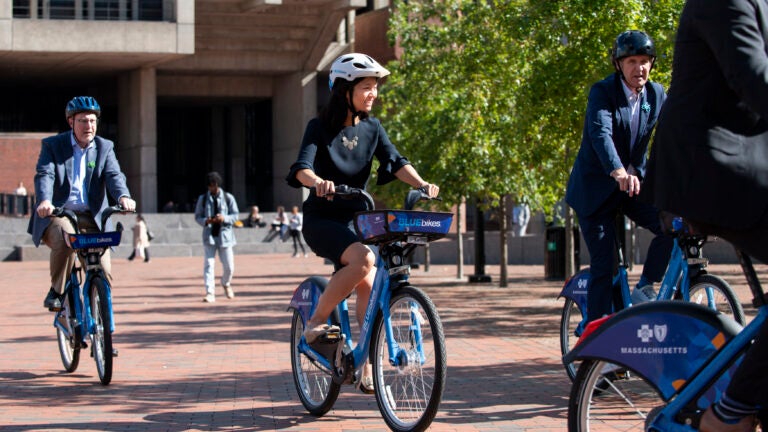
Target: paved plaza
column 188, row 365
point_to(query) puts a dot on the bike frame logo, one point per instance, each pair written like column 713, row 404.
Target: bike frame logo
column 645, row 333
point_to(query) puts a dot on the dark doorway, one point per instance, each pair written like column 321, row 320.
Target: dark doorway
column 233, row 139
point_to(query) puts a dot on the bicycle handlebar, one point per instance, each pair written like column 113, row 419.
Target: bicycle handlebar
column 414, row 196
column 109, row 211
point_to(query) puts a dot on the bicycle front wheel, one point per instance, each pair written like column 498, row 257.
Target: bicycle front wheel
column 69, row 347
column 569, row 322
column 101, row 338
column 408, row 392
column 708, row 290
column 606, row 397
column 314, row 383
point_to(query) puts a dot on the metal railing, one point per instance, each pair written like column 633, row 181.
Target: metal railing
column 110, row 10
column 16, row 205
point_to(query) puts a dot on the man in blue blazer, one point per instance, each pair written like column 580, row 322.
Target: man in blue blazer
column 621, row 113
column 75, row 170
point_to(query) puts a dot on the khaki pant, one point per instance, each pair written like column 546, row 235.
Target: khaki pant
column 63, row 258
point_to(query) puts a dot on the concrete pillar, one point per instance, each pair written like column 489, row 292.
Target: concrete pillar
column 6, row 28
column 294, row 104
column 137, row 128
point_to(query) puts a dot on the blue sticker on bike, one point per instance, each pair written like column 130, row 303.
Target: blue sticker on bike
column 93, row 240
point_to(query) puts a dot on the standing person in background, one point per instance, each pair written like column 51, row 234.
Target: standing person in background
column 216, row 211
column 75, row 170
column 295, row 224
column 621, row 113
column 140, row 239
column 21, row 199
column 709, row 161
column 521, row 215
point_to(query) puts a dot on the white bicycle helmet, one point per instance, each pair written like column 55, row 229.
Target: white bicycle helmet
column 355, row 65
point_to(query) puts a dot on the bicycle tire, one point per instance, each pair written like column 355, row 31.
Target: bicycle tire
column 569, row 321
column 409, row 395
column 315, row 385
column 606, row 398
column 101, row 338
column 726, row 300
column 69, row 349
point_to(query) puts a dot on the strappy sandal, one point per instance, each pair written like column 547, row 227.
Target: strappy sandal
column 366, row 385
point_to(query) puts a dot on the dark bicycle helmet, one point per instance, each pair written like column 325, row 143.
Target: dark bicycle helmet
column 632, row 42
column 80, row 104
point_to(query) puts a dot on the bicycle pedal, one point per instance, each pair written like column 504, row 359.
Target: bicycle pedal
column 330, row 337
column 114, row 352
column 55, row 309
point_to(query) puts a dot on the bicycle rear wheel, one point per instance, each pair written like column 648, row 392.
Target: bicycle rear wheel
column 101, row 339
column 69, row 347
column 605, row 397
column 569, row 322
column 408, row 394
column 314, row 383
column 709, row 289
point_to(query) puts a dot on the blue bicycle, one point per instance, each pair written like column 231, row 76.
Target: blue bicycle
column 658, row 366
column 686, row 279
column 86, row 313
column 402, row 333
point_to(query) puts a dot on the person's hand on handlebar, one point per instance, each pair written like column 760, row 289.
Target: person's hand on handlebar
column 628, row 182
column 430, row 189
column 45, row 208
column 325, row 188
column 128, row 204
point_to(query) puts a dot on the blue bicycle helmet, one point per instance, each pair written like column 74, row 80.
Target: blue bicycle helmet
column 80, row 104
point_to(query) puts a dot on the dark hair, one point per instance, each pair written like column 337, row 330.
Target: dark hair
column 213, row 178
column 333, row 115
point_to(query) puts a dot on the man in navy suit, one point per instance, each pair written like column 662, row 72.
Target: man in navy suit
column 621, row 113
column 75, row 170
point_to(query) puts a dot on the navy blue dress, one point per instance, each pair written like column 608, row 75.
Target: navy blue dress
column 342, row 159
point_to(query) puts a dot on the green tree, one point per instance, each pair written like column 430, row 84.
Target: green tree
column 488, row 97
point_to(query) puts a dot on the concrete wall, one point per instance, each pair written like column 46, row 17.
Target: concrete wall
column 178, row 234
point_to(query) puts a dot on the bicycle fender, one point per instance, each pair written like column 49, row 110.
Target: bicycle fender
column 664, row 341
column 305, row 296
column 575, row 288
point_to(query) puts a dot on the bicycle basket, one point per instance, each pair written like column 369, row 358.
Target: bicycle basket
column 381, row 226
column 93, row 240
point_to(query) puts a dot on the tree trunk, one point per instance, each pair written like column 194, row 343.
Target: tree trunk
column 570, row 262
column 459, row 241
column 504, row 253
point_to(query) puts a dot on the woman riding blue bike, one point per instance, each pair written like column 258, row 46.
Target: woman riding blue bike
column 338, row 148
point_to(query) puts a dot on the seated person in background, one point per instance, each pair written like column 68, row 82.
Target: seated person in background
column 254, row 219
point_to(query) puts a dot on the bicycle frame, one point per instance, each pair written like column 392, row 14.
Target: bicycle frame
column 81, row 294
column 381, row 294
column 697, row 347
column 676, row 278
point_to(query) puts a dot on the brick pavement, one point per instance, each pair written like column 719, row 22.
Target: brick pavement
column 188, row 365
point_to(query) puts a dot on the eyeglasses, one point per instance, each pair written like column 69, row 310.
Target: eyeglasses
column 85, row 121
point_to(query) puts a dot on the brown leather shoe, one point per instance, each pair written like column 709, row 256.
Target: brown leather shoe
column 710, row 423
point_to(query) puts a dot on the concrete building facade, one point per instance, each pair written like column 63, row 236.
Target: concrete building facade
column 186, row 86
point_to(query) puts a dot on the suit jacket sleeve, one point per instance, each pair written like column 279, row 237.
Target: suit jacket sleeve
column 599, row 122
